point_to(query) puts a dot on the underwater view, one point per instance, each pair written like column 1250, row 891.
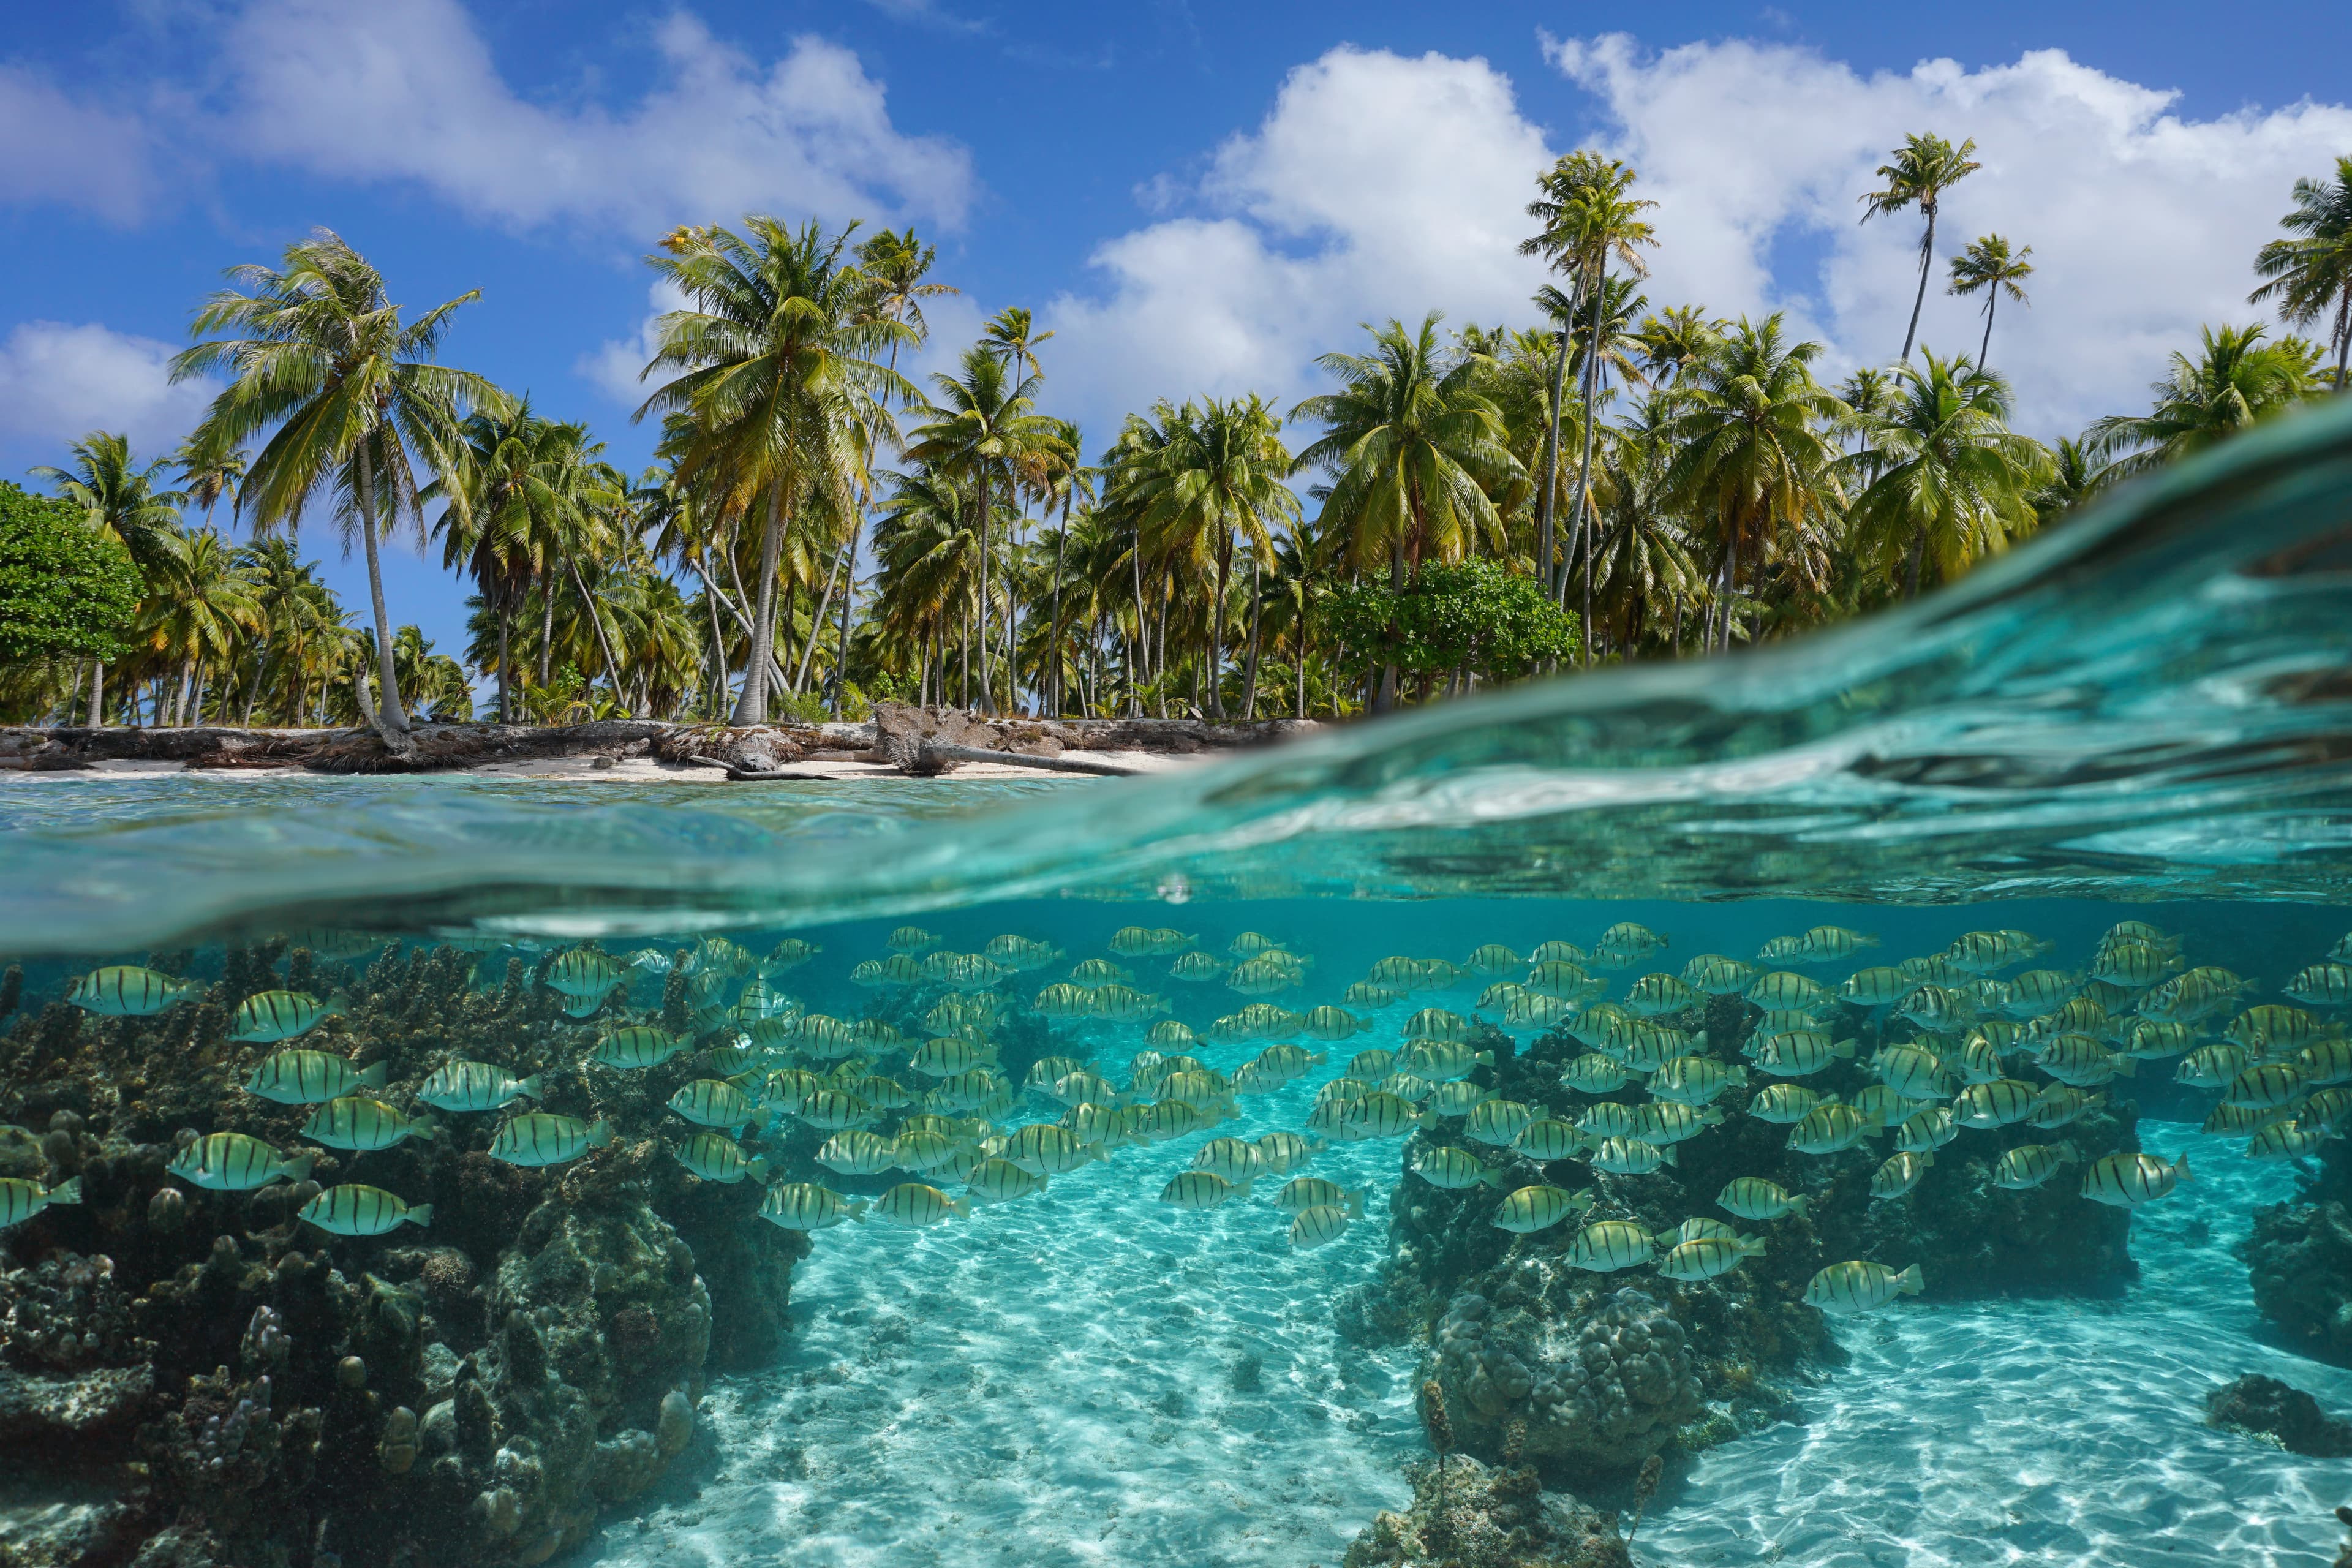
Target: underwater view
column 1877, row 1100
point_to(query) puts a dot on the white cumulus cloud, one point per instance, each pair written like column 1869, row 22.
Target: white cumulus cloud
column 61, row 150
column 2144, row 223
column 60, row 380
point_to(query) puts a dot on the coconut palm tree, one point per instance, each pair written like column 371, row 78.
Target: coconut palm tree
column 202, row 606
column 984, row 428
column 1753, row 457
column 2311, row 274
column 1988, row 264
column 1068, row 480
column 210, row 470
column 1918, row 174
column 2236, row 381
column 119, row 496
column 776, row 361
column 1416, row 454
column 318, row 355
column 1953, row 482
column 1558, row 206
column 1674, row 337
column 1642, row 554
column 2076, row 477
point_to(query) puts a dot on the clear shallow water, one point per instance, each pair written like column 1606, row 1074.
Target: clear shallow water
column 2146, row 716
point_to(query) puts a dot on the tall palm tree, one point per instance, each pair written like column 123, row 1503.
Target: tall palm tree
column 1918, row 174
column 1414, row 452
column 119, row 496
column 2076, row 477
column 1068, row 480
column 1953, row 482
column 1217, row 484
column 1674, row 337
column 984, row 426
column 1750, row 430
column 776, row 359
column 210, row 469
column 2237, row 380
column 1988, row 264
column 317, row 354
column 2311, row 276
column 203, row 605
column 1642, row 554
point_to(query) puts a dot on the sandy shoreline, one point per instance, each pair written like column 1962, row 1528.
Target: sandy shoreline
column 633, row 769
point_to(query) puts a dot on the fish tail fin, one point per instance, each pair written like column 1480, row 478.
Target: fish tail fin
column 1098, row 1151
column 1353, row 1200
column 1910, row 1282
column 1842, row 1051
column 1490, row 1177
column 1242, row 1187
column 1668, row 1155
column 530, row 1088
column 600, row 1134
column 1927, row 1156
column 1751, row 1247
column 297, row 1169
column 2180, row 1168
column 2127, row 1067
column 66, row 1192
column 1865, row 939
column 1484, row 1059
column 419, row 1215
column 855, row 1209
column 1426, row 1121
column 1317, row 1058
column 337, row 1006
column 2097, row 1100
column 376, row 1076
column 963, row 1207
column 757, row 1169
column 1316, row 1145
column 2066, row 1151
column 1799, row 1207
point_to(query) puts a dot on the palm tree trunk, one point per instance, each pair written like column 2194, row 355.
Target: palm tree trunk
column 1217, row 625
column 1544, row 566
column 1060, row 541
column 505, row 639
column 1926, row 260
column 987, row 700
column 1135, row 644
column 98, row 694
column 1159, row 659
column 390, row 719
column 1993, row 299
column 825, row 603
column 752, row 708
column 1249, row 683
column 1911, row 568
column 1299, row 709
column 546, row 630
column 1385, row 697
column 1584, row 464
column 841, row 652
column 718, row 639
column 596, row 619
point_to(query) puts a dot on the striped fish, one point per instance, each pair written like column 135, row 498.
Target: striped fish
column 1194, row 1190
column 1655, row 995
column 1496, row 1122
column 789, row 953
column 1610, row 1245
column 1717, row 975
column 2128, row 1180
column 1540, row 1207
column 804, row 1205
column 1000, row 1181
column 268, row 1016
column 1629, row 1156
column 310, row 1077
column 1705, row 1257
column 353, row 1209
column 1303, row 1193
column 539, row 1138
column 127, row 991
column 1783, row 991
column 1191, row 968
column 1786, row 1103
column 2029, row 1164
column 1800, row 1053
column 637, row 1047
column 2060, row 1105
column 1848, row 1289
column 2285, row 1141
column 1442, row 1165
column 1665, row 1121
column 464, row 1086
column 1236, row 1161
column 1695, row 1080
column 715, row 1103
column 912, row 1203
column 1898, row 1175
column 1366, row 994
column 1044, row 1149
column 1758, row 1198
column 363, row 1123
column 946, row 1057
column 1548, row 1138
column 910, row 938
column 585, row 974
column 232, row 1162
column 715, row 1157
column 1609, row 1119
column 2000, row 1103
column 826, row 1110
column 1593, row 1073
column 21, row 1199
column 1827, row 1129
column 1925, row 1132
column 1314, row 1226
column 1492, row 958
column 2260, row 1087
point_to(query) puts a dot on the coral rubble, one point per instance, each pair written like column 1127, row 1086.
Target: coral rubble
column 1467, row 1515
column 2265, row 1407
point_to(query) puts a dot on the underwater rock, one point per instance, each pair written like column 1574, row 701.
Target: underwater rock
column 1467, row 1515
column 2299, row 1258
column 2265, row 1407
column 1603, row 1384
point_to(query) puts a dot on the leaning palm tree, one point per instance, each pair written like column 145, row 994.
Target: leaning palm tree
column 1989, row 266
column 1415, row 455
column 317, row 354
column 2236, row 381
column 776, row 355
column 210, row 469
column 1921, row 170
column 1953, row 482
column 120, row 499
column 2311, row 276
column 1751, row 434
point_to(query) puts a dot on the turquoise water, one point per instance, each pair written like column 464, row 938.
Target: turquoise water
column 2146, row 717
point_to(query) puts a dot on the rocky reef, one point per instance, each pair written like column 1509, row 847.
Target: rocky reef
column 1588, row 1374
column 219, row 1382
column 2299, row 1260
column 2281, row 1412
column 1467, row 1515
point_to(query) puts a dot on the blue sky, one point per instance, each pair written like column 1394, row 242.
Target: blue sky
column 1195, row 197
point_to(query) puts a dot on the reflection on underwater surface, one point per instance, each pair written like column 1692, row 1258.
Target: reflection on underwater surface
column 832, row 1182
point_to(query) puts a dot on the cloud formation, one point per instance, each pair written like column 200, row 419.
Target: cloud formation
column 1379, row 185
column 2144, row 224
column 72, row 153
column 58, row 381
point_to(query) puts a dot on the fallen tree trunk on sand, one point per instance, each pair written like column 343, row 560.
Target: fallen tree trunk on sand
column 435, row 748
column 933, row 757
